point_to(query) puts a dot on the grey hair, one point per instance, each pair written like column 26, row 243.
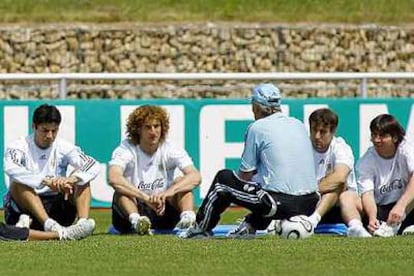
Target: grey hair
column 268, row 110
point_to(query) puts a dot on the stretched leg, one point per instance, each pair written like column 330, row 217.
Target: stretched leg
column 29, row 201
column 35, row 235
column 226, row 189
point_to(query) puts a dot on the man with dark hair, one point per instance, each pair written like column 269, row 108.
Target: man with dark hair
column 142, row 172
column 334, row 168
column 385, row 179
column 276, row 179
column 40, row 189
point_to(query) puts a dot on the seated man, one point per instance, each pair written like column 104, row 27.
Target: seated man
column 39, row 186
column 334, row 167
column 142, row 173
column 385, row 179
column 276, row 178
column 21, row 231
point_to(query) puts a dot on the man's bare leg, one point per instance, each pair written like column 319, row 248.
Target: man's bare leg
column 29, row 201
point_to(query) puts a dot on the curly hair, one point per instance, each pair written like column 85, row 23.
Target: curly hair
column 141, row 115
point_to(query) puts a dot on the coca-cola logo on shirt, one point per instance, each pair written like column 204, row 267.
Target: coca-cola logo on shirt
column 155, row 185
column 393, row 185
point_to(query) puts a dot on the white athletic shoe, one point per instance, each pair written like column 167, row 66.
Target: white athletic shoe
column 358, row 232
column 386, row 230
column 243, row 230
column 194, row 232
column 79, row 230
column 187, row 220
column 143, row 226
column 24, row 221
column 275, row 227
column 409, row 230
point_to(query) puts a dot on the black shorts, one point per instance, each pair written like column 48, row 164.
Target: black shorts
column 287, row 206
column 334, row 215
column 168, row 221
column 13, row 233
column 59, row 209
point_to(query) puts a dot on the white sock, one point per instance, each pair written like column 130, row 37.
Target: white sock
column 315, row 218
column 188, row 213
column 81, row 220
column 133, row 218
column 355, row 223
column 47, row 226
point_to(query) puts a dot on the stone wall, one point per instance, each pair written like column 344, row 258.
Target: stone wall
column 204, row 48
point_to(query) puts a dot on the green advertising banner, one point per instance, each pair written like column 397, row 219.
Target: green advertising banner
column 212, row 131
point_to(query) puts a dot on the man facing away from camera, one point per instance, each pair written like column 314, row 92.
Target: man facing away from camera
column 148, row 193
column 276, row 178
column 41, row 194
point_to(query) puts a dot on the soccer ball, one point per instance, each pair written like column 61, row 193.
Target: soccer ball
column 297, row 227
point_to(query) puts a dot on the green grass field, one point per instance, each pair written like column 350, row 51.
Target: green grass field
column 104, row 254
column 351, row 11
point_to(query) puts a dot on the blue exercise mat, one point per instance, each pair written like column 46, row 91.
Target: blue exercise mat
column 222, row 229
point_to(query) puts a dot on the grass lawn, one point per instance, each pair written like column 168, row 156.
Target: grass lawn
column 104, row 254
column 351, row 11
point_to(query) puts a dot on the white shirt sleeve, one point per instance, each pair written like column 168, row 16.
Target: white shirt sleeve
column 15, row 160
column 121, row 156
column 408, row 153
column 366, row 174
column 343, row 154
column 178, row 157
column 86, row 168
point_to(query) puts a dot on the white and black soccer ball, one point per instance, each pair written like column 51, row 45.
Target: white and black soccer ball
column 297, row 227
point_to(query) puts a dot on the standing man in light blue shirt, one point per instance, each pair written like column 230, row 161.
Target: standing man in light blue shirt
column 276, row 178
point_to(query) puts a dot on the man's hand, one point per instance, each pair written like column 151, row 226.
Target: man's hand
column 60, row 184
column 159, row 200
column 373, row 224
column 396, row 215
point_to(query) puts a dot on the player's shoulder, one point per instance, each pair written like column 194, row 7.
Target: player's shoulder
column 406, row 147
column 19, row 143
column 125, row 146
column 64, row 145
column 340, row 143
column 169, row 146
column 368, row 158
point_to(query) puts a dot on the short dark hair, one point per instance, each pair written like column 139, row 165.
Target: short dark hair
column 325, row 117
column 46, row 113
column 387, row 124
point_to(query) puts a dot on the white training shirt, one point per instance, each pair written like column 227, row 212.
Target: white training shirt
column 338, row 152
column 26, row 163
column 388, row 178
column 150, row 173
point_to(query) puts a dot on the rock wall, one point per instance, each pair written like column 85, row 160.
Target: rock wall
column 204, row 48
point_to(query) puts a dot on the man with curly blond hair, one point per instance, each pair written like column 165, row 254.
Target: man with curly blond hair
column 143, row 173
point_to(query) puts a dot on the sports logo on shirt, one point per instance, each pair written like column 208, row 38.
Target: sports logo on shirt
column 393, row 185
column 157, row 184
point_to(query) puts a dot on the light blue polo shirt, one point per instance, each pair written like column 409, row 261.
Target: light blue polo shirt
column 279, row 148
